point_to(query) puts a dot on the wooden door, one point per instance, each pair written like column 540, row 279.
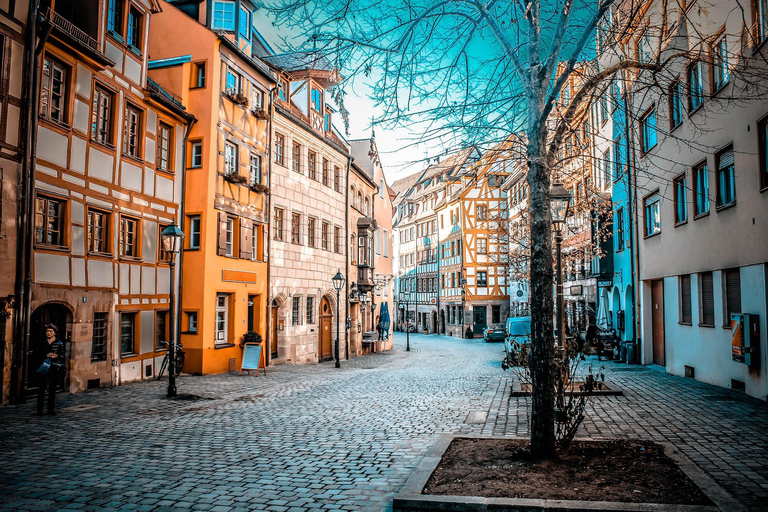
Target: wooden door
column 326, row 330
column 273, row 338
column 479, row 319
column 657, row 315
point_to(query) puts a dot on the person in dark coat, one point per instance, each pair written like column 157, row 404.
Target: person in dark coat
column 53, row 348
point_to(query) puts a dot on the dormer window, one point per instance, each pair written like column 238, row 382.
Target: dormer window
column 133, row 39
column 327, row 121
column 245, row 23
column 316, row 99
column 223, row 16
column 282, row 90
column 115, row 18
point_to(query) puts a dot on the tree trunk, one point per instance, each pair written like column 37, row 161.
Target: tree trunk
column 542, row 349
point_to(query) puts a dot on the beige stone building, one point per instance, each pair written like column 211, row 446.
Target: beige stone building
column 309, row 167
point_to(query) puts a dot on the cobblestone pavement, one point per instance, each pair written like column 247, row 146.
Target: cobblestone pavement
column 319, row 438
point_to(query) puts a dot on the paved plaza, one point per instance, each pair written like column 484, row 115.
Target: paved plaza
column 316, row 437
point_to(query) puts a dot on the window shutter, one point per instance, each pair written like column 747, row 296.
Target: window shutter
column 685, row 298
column 725, row 159
column 222, row 241
column 707, row 299
column 732, row 294
column 246, row 239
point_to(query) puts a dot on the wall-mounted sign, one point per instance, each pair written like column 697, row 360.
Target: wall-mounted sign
column 604, row 284
column 576, row 290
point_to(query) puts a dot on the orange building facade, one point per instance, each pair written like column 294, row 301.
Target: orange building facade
column 224, row 285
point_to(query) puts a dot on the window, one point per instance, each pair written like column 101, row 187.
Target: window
column 164, row 142
column 49, row 221
column 191, row 321
column 196, row 154
column 101, row 121
column 161, row 329
column 198, row 77
column 232, row 83
column 707, row 298
column 229, row 240
column 163, row 255
column 701, row 182
column 296, row 157
column 606, row 169
column 648, row 130
column 482, row 278
column 336, row 178
column 618, row 158
column 326, row 173
column 282, row 90
column 762, row 135
column 53, row 96
column 366, row 208
column 481, row 212
column 675, row 104
column 324, row 236
column 726, row 180
column 296, row 228
column 99, row 340
column 312, row 165
column 316, row 99
column 652, row 205
column 98, row 231
column 255, row 171
column 685, row 299
column 732, row 294
column 381, row 188
column 311, row 232
column 720, row 70
column 482, row 246
column 327, row 121
column 257, row 98
column 386, row 244
column 296, row 311
column 127, row 333
column 310, row 310
column 223, row 16
column 133, row 40
column 279, row 148
column 695, row 87
column 222, row 318
column 245, row 23
column 603, row 108
column 129, row 237
column 230, row 159
column 194, row 231
column 115, row 17
column 681, row 199
column 762, row 19
column 495, row 314
column 132, row 133
column 278, row 224
column 337, row 239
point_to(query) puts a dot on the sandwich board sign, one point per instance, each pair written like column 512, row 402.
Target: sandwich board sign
column 252, row 358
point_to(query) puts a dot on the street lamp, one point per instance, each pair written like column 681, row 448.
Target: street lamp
column 560, row 200
column 172, row 238
column 407, row 297
column 338, row 284
column 463, row 282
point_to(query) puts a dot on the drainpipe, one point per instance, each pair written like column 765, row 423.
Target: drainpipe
column 268, row 237
column 26, row 207
column 182, row 217
column 439, row 251
column 348, row 321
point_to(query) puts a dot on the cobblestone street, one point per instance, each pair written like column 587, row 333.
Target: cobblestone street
column 315, row 437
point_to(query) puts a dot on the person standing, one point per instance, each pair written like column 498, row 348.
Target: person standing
column 51, row 347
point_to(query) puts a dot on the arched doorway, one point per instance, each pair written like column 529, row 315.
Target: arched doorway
column 442, row 321
column 434, row 321
column 51, row 313
column 615, row 308
column 273, row 337
column 325, row 336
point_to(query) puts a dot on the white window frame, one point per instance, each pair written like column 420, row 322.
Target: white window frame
column 194, row 231
column 230, row 159
column 222, row 319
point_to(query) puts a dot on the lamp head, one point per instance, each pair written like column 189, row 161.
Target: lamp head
column 172, row 236
column 560, row 201
column 338, row 281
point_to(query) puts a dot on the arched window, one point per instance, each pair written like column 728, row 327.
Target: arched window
column 367, row 205
column 359, row 200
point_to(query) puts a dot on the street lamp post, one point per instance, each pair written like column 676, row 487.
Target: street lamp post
column 463, row 283
column 407, row 297
column 338, row 284
column 560, row 200
column 172, row 237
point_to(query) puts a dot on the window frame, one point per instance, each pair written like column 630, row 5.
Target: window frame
column 483, row 246
column 484, row 281
column 61, row 222
column 225, row 299
column 131, row 317
column 167, row 165
column 700, row 169
column 720, row 62
column 279, row 149
column 680, row 187
column 90, row 233
column 311, row 227
column 47, row 85
column 296, row 157
column 645, row 130
column 230, row 158
column 100, row 336
column 134, row 30
column 102, row 125
column 652, row 201
column 195, row 235
column 296, row 228
column 254, row 170
column 694, row 69
column 762, row 141
column 193, row 145
column 278, row 227
column 161, row 345
column 222, row 16
column 296, row 310
column 675, row 104
column 702, row 311
column 134, row 119
column 125, row 221
column 731, row 179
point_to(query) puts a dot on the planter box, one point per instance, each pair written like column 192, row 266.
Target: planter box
column 410, row 498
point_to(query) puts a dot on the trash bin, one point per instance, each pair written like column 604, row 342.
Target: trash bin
column 629, row 347
column 623, row 352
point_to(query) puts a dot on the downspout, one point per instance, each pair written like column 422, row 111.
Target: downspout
column 268, row 236
column 634, row 259
column 439, row 251
column 182, row 217
column 374, row 325
column 348, row 321
column 25, row 239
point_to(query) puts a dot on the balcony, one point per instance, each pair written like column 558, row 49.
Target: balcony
column 76, row 33
column 365, row 282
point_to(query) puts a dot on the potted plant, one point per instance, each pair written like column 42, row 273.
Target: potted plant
column 250, row 337
column 233, row 177
column 258, row 187
column 237, row 98
column 260, row 113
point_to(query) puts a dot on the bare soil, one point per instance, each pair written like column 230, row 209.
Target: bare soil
column 623, row 471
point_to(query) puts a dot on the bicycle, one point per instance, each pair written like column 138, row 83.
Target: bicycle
column 178, row 363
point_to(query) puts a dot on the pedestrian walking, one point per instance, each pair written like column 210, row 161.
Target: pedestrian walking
column 50, row 372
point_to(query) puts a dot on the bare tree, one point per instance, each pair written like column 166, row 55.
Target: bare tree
column 476, row 72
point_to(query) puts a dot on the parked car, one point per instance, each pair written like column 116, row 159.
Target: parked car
column 518, row 340
column 494, row 332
